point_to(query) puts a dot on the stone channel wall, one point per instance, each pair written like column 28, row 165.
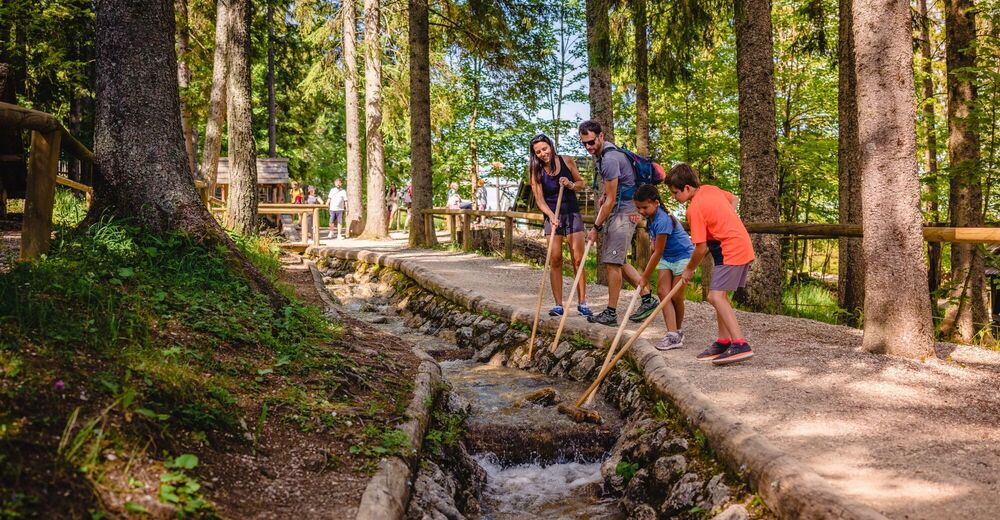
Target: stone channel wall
column 658, row 467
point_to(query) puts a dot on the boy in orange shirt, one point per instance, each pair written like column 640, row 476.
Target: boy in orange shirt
column 716, row 227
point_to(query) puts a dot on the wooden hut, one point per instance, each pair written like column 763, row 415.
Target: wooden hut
column 272, row 179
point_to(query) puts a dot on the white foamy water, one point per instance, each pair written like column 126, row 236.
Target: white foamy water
column 569, row 490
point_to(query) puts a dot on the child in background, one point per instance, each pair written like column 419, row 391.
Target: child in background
column 716, row 227
column 671, row 253
column 296, row 193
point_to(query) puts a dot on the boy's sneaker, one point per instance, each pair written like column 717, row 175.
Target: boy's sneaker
column 556, row 311
column 606, row 317
column 713, row 351
column 646, row 308
column 584, row 310
column 735, row 352
column 669, row 342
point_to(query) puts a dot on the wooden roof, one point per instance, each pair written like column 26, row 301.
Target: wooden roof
column 269, row 171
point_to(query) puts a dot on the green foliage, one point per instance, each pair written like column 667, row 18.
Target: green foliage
column 446, row 430
column 179, row 489
column 626, row 469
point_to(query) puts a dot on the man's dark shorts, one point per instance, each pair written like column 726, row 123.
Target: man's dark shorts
column 618, row 231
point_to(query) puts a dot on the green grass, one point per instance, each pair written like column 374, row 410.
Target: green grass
column 813, row 301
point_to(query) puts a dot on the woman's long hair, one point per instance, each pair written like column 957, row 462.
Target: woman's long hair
column 534, row 165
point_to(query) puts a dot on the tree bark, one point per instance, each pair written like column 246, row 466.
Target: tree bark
column 641, row 80
column 241, row 205
column 851, row 270
column 599, row 65
column 897, row 304
column 967, row 312
column 420, row 122
column 930, row 157
column 473, row 144
column 141, row 168
column 272, row 109
column 375, row 224
column 184, row 79
column 355, row 180
column 758, row 150
column 217, row 102
column 13, row 169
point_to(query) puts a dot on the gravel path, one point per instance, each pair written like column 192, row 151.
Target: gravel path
column 913, row 439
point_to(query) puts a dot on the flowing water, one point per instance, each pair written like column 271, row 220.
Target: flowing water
column 539, row 464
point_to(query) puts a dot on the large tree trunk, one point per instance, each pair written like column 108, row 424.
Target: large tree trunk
column 851, row 270
column 272, row 109
column 12, row 158
column 141, row 168
column 599, row 65
column 420, row 122
column 930, row 157
column 184, row 80
column 241, row 206
column 758, row 150
column 355, row 211
column 376, row 225
column 473, row 145
column 897, row 304
column 641, row 80
column 217, row 102
column 967, row 313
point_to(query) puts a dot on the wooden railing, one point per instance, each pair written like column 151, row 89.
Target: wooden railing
column 302, row 210
column 48, row 137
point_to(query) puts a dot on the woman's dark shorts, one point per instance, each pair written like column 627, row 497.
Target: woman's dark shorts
column 569, row 223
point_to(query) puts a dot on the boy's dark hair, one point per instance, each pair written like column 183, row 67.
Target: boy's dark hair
column 683, row 175
column 590, row 126
column 647, row 193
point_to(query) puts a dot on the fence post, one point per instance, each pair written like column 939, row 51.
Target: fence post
column 43, row 162
column 315, row 226
column 508, row 238
column 428, row 227
column 466, row 231
column 452, row 228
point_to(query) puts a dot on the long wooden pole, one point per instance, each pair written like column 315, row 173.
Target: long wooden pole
column 576, row 283
column 541, row 287
column 607, row 369
column 618, row 337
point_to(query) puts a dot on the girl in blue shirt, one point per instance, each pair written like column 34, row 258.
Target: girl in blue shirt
column 672, row 250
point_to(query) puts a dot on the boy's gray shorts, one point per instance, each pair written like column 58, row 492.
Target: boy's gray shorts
column 729, row 277
column 618, row 231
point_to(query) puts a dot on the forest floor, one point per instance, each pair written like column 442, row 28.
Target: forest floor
column 911, row 438
column 139, row 377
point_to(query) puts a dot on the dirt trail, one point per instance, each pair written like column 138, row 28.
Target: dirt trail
column 913, row 439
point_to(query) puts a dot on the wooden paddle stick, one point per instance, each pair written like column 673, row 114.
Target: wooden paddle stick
column 545, row 272
column 621, row 353
column 618, row 337
column 572, row 292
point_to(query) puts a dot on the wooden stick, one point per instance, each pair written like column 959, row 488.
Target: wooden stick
column 576, row 282
column 604, row 372
column 618, row 337
column 545, row 271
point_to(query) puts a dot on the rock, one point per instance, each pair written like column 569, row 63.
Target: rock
column 716, row 494
column 674, row 446
column 643, row 512
column 544, row 363
column 582, row 369
column 542, row 397
column 666, row 470
column 463, row 337
column 683, row 496
column 337, row 281
column 268, row 472
column 636, row 491
column 580, row 415
column 378, row 319
column 564, row 348
column 733, row 512
column 487, row 351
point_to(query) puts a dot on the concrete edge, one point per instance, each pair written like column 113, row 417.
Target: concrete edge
column 789, row 488
column 388, row 491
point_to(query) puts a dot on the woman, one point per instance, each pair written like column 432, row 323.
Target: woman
column 547, row 171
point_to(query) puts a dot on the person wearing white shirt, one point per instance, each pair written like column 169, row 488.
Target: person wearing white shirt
column 338, row 204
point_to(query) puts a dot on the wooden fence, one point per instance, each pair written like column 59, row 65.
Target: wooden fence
column 302, row 210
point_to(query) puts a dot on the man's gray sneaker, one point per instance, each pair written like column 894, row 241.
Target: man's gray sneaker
column 606, row 317
column 645, row 309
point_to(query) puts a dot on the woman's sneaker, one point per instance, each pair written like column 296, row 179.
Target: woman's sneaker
column 714, row 351
column 669, row 342
column 735, row 352
column 584, row 310
column 556, row 311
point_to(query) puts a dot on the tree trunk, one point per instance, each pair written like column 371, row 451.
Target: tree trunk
column 897, row 305
column 641, row 80
column 930, row 157
column 758, row 150
column 355, row 180
column 272, row 131
column 217, row 103
column 599, row 65
column 420, row 122
column 141, row 167
column 851, row 269
column 241, row 206
column 375, row 225
column 13, row 169
column 967, row 313
column 184, row 79
column 473, row 145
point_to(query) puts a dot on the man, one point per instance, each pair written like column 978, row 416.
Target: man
column 338, row 204
column 614, row 220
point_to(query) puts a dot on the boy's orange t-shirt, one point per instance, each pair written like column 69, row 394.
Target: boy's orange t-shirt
column 713, row 220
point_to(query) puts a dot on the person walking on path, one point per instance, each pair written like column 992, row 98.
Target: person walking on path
column 614, row 220
column 408, row 202
column 311, row 198
column 338, row 205
column 296, row 193
column 672, row 250
column 549, row 171
column 716, row 227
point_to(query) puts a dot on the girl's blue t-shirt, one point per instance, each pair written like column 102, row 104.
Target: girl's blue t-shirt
column 679, row 246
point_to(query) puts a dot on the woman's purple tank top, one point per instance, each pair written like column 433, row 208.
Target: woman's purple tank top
column 550, row 190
